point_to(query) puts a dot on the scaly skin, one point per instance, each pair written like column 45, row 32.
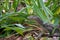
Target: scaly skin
column 48, row 27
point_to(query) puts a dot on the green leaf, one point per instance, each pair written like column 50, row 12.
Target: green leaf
column 10, row 14
column 15, row 4
column 17, row 29
column 48, row 13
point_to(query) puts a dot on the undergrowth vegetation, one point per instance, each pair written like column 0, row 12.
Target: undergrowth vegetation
column 20, row 17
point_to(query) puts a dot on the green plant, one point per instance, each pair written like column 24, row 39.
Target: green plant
column 9, row 16
column 48, row 11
